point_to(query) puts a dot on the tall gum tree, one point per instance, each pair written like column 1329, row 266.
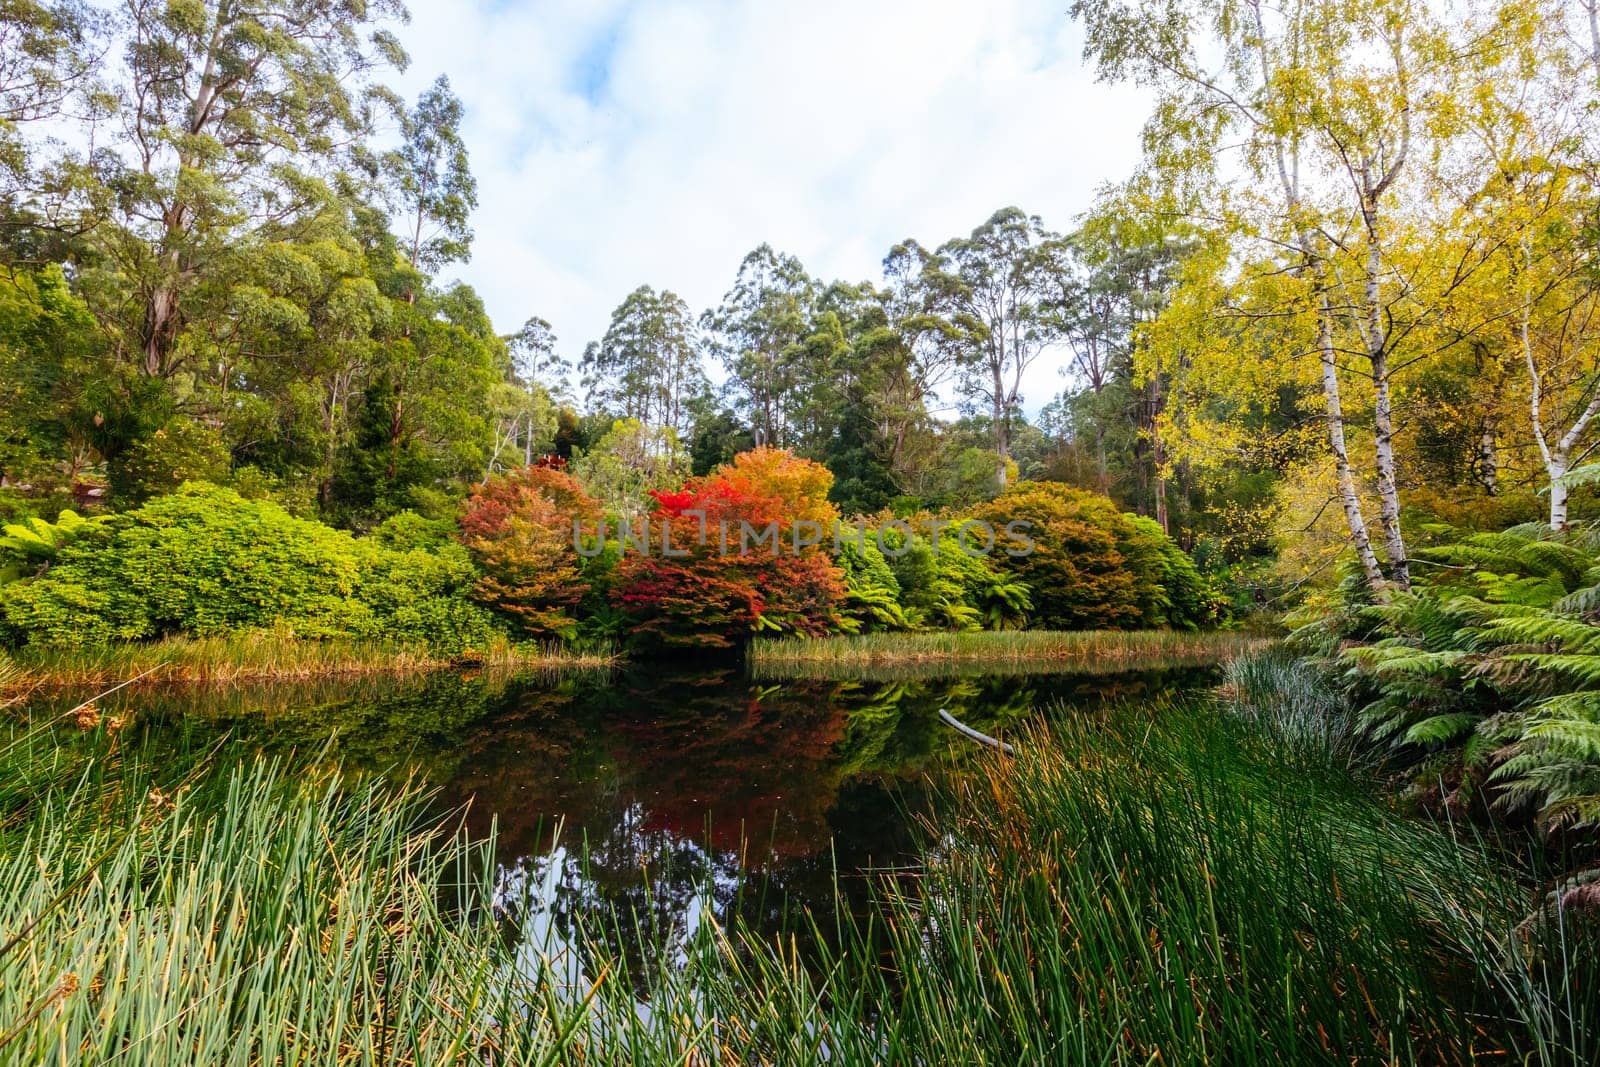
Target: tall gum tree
column 647, row 366
column 756, row 330
column 989, row 291
column 232, row 115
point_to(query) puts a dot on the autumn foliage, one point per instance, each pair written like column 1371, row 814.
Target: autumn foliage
column 729, row 587
column 519, row 527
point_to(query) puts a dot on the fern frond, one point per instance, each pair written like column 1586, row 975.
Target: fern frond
column 1569, row 635
column 1441, row 729
column 1585, row 669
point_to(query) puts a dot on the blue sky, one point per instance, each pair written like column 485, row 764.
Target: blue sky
column 618, row 144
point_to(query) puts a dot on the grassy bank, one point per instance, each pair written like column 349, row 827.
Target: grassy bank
column 1157, row 884
column 245, row 657
column 1004, row 650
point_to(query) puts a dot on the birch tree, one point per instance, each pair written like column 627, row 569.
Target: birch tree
column 1325, row 102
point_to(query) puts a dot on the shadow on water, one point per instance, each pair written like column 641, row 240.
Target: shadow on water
column 649, row 797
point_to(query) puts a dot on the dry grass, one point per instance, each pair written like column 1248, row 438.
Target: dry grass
column 1004, row 651
column 256, row 657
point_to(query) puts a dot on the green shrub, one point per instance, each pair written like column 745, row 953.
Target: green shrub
column 872, row 591
column 946, row 588
column 1170, row 589
column 206, row 561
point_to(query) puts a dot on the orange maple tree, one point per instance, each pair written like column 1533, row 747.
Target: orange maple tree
column 519, row 528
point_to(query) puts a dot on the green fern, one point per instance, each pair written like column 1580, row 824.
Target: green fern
column 1494, row 655
column 1441, row 729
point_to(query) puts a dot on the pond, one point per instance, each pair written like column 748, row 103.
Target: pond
column 654, row 796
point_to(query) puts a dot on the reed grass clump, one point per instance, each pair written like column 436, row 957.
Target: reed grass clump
column 1005, row 651
column 268, row 656
column 215, row 911
column 1298, row 707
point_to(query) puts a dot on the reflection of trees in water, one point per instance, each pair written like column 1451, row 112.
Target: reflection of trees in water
column 676, row 789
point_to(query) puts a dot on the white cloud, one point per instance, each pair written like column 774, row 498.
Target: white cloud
column 620, row 144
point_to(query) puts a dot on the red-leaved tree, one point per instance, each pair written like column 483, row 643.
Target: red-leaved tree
column 733, row 584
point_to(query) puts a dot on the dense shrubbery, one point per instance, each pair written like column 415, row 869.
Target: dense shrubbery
column 947, row 588
column 1094, row 567
column 206, row 561
column 714, row 597
column 520, row 529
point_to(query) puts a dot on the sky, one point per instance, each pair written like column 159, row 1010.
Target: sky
column 621, row 144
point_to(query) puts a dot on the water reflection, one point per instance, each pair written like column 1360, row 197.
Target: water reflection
column 645, row 800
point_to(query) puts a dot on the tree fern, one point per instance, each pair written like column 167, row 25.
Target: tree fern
column 1495, row 655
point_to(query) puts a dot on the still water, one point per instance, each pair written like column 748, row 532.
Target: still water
column 655, row 798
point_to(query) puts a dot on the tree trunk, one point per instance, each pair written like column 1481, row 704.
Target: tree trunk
column 397, row 429
column 1593, row 7
column 1351, row 502
column 1394, row 544
column 1558, row 490
column 1002, row 443
column 160, row 328
column 1489, row 456
column 1157, row 457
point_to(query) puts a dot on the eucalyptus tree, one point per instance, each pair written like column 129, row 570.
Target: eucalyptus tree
column 534, row 356
column 755, row 331
column 988, row 292
column 535, row 384
column 49, row 53
column 1120, row 269
column 229, row 119
column 647, row 366
column 429, row 183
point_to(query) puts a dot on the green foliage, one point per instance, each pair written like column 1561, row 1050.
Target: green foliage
column 33, row 543
column 872, row 593
column 1494, row 658
column 627, row 463
column 48, row 347
column 944, row 587
column 181, row 451
column 1170, row 588
column 1092, row 567
column 206, row 561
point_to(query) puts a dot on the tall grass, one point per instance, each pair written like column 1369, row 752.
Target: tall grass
column 240, row 914
column 265, row 656
column 1297, row 706
column 1147, row 886
column 1011, row 651
column 1153, row 886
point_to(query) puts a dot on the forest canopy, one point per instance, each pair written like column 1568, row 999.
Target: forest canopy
column 1347, row 300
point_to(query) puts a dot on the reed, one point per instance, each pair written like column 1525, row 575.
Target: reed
column 1010, row 651
column 266, row 656
column 1148, row 885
